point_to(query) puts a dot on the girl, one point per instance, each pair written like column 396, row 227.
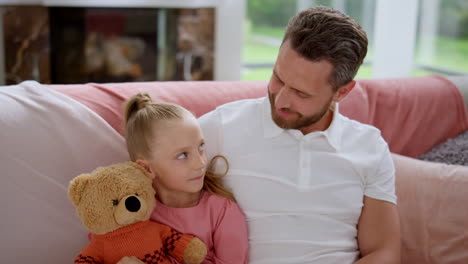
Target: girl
column 167, row 141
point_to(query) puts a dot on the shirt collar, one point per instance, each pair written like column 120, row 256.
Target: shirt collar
column 332, row 133
column 270, row 129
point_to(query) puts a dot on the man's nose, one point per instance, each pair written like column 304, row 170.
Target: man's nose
column 283, row 98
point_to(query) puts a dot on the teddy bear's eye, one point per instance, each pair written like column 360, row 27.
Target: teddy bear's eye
column 115, row 202
column 136, row 194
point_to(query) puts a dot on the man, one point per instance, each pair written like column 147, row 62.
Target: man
column 316, row 187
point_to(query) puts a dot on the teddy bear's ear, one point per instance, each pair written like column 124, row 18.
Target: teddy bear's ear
column 76, row 188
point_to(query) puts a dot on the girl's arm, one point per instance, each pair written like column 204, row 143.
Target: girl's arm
column 230, row 239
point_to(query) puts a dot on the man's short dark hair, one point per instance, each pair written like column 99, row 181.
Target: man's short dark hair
column 323, row 33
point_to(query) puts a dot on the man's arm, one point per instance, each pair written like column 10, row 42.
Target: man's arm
column 379, row 232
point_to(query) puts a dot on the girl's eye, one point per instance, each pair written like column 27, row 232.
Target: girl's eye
column 182, row 156
column 201, row 147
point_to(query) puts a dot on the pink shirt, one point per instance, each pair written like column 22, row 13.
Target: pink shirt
column 217, row 221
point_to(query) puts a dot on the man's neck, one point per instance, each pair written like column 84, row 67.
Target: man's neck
column 321, row 125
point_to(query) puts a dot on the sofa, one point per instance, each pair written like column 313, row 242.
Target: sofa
column 51, row 133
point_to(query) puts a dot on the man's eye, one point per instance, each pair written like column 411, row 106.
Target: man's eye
column 182, row 155
column 278, row 79
column 301, row 94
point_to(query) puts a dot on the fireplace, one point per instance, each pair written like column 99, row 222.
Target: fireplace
column 83, row 44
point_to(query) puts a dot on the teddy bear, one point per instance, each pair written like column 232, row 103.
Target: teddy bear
column 115, row 204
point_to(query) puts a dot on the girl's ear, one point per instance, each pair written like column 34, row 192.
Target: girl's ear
column 145, row 165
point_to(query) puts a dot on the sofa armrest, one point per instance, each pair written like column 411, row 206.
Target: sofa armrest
column 461, row 82
column 431, row 203
column 46, row 139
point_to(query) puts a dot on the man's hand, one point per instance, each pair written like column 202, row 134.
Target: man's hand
column 379, row 233
column 130, row 260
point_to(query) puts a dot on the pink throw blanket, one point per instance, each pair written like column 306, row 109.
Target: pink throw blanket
column 414, row 114
column 199, row 97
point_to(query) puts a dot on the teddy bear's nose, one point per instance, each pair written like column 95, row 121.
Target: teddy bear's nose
column 132, row 204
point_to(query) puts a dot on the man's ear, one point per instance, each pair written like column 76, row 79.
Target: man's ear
column 343, row 91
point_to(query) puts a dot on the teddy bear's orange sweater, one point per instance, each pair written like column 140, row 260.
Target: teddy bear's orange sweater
column 151, row 242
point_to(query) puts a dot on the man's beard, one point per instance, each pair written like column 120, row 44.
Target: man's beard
column 301, row 121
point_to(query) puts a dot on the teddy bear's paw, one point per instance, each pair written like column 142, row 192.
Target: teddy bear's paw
column 195, row 252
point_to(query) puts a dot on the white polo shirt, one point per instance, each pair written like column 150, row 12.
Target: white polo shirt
column 302, row 194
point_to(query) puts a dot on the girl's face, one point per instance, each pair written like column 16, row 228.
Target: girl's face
column 178, row 160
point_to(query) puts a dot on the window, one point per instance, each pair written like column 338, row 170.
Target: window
column 423, row 37
column 266, row 21
column 442, row 39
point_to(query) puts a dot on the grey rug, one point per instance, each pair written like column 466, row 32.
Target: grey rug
column 453, row 151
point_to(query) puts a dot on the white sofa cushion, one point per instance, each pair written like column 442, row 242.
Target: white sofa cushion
column 46, row 139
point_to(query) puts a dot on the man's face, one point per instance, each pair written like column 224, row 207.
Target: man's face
column 299, row 92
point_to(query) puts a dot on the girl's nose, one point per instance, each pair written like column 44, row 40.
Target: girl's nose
column 200, row 162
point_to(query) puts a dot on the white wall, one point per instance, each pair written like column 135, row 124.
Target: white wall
column 230, row 16
column 394, row 38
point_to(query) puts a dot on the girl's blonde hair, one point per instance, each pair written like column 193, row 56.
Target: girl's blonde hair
column 142, row 115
